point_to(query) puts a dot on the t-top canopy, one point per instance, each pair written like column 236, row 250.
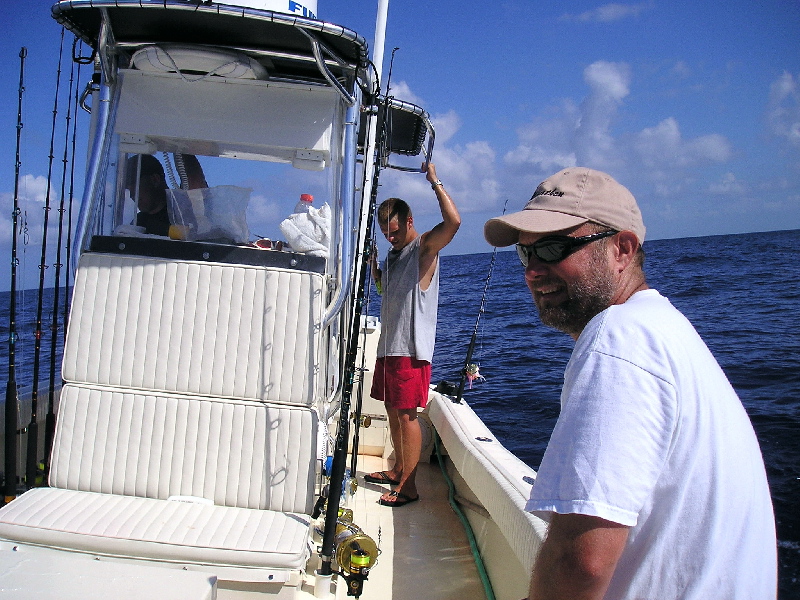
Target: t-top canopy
column 281, row 41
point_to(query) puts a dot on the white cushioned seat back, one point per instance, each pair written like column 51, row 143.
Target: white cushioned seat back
column 218, row 330
column 241, row 454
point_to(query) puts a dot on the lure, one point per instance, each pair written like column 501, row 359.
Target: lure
column 473, row 373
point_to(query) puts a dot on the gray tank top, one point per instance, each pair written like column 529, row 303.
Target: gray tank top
column 408, row 313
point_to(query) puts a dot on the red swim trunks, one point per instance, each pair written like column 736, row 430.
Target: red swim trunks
column 402, row 382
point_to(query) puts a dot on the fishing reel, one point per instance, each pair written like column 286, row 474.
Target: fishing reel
column 355, row 552
column 363, row 420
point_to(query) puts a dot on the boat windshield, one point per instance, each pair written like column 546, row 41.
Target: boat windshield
column 213, row 160
column 191, row 197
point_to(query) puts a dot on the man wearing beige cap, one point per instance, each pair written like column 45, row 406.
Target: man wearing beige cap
column 653, row 480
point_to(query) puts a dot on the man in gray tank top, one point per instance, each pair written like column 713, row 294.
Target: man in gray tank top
column 409, row 283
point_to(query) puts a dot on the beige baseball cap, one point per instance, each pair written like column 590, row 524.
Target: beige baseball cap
column 567, row 199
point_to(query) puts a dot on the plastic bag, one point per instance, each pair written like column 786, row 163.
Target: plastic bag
column 309, row 232
column 217, row 214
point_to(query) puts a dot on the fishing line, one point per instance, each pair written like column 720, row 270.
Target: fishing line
column 12, row 399
column 470, row 369
column 33, row 426
column 50, row 420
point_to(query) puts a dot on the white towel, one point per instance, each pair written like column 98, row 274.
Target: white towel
column 309, row 232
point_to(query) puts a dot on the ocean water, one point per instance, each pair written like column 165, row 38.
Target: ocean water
column 741, row 292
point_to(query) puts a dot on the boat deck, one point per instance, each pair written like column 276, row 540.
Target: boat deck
column 424, row 548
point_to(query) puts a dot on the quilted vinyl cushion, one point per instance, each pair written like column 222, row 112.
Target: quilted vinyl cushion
column 124, row 526
column 237, row 454
column 221, row 330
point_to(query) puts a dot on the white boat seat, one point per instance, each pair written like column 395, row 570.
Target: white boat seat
column 211, row 399
column 232, row 453
column 257, row 543
column 244, row 332
column 119, row 456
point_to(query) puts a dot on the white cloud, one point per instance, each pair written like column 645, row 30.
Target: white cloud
column 662, row 165
column 609, row 84
column 467, row 171
column 727, row 185
column 446, row 126
column 402, row 91
column 662, row 147
column 7, row 203
column 30, row 221
column 783, row 110
column 30, row 200
column 526, row 155
column 576, row 134
column 608, row 13
column 608, row 80
column 33, row 189
column 263, row 214
column 681, row 70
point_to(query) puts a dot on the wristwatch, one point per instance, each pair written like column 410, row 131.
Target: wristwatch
column 435, row 183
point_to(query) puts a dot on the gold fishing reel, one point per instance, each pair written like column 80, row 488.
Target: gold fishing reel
column 365, row 420
column 354, row 550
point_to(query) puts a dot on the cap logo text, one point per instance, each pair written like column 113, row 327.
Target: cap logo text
column 541, row 192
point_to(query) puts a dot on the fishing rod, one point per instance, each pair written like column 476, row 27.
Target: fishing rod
column 50, row 420
column 79, row 60
column 357, row 419
column 469, row 368
column 12, row 400
column 383, row 141
column 33, row 427
column 342, row 433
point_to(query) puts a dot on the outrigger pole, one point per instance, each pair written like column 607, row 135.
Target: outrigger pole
column 342, row 434
column 10, row 487
column 32, row 462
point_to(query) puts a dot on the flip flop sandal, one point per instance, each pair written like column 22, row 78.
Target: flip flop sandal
column 380, row 477
column 400, row 499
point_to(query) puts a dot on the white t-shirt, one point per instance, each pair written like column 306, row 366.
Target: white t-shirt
column 652, row 435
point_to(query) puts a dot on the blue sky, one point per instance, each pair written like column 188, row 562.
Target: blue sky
column 695, row 106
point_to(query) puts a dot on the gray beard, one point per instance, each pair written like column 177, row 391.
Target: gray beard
column 587, row 298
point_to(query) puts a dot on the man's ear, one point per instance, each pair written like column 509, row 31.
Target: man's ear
column 625, row 248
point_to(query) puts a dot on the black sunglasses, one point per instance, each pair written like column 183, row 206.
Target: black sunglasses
column 555, row 248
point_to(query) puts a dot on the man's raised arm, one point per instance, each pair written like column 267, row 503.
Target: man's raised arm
column 441, row 235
